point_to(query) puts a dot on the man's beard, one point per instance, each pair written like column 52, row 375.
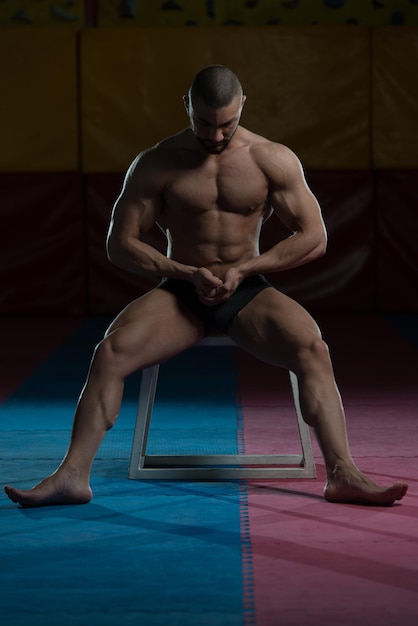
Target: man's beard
column 215, row 148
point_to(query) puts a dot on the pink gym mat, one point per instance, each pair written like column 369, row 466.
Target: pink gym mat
column 315, row 562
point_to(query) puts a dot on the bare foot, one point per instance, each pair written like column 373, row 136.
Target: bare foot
column 353, row 487
column 62, row 487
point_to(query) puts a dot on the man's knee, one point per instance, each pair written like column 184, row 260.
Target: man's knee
column 110, row 353
column 313, row 355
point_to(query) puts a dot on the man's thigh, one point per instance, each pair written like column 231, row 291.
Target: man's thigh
column 273, row 327
column 154, row 328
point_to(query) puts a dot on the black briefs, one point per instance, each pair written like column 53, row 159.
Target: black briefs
column 216, row 319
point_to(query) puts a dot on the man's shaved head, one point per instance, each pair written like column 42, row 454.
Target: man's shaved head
column 217, row 86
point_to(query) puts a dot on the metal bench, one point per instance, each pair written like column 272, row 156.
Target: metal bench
column 213, row 466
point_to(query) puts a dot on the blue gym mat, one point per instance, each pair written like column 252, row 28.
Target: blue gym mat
column 149, row 553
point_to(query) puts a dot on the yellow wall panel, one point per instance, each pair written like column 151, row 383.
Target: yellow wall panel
column 307, row 87
column 38, row 104
column 395, row 98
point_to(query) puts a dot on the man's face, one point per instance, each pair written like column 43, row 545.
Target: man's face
column 214, row 128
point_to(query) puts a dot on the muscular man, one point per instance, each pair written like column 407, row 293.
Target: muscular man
column 210, row 187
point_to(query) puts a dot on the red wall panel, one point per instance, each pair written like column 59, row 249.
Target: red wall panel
column 41, row 245
column 397, row 236
column 53, row 258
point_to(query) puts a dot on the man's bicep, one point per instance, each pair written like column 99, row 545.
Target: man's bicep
column 296, row 208
column 130, row 219
column 138, row 206
column 292, row 200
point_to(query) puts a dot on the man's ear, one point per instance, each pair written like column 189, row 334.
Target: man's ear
column 244, row 97
column 186, row 103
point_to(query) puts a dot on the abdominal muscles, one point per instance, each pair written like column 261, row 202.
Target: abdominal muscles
column 215, row 239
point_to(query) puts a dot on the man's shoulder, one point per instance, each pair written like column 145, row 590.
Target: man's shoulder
column 173, row 142
column 276, row 160
column 263, row 149
column 155, row 163
column 162, row 151
column 259, row 143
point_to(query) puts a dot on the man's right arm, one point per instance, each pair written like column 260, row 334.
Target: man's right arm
column 136, row 210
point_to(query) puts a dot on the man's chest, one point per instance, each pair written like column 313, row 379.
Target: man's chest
column 228, row 184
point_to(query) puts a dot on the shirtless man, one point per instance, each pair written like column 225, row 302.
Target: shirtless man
column 210, row 187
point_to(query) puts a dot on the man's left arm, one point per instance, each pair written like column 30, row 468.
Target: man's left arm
column 298, row 209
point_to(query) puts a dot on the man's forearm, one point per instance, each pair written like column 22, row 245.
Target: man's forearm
column 144, row 260
column 294, row 251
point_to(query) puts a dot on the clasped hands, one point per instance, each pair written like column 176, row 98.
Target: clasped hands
column 211, row 289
